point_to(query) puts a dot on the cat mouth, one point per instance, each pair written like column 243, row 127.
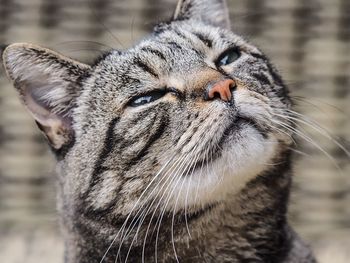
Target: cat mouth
column 237, row 126
column 255, row 124
column 216, row 150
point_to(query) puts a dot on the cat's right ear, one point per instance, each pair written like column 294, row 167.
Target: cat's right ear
column 212, row 12
column 47, row 83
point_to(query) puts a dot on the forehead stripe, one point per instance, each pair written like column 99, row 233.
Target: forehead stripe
column 154, row 52
column 208, row 42
column 145, row 67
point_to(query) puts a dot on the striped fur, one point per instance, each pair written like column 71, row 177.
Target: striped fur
column 178, row 179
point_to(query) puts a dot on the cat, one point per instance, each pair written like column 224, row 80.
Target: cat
column 175, row 150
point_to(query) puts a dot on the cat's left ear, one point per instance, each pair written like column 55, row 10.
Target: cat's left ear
column 48, row 86
column 212, row 12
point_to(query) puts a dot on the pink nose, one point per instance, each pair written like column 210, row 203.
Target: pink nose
column 222, row 89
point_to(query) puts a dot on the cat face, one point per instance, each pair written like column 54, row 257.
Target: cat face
column 180, row 121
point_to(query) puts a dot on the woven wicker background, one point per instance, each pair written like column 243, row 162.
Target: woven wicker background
column 309, row 41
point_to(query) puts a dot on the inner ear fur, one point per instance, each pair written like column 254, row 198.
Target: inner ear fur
column 48, row 85
column 212, row 12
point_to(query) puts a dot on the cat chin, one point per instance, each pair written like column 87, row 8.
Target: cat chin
column 218, row 181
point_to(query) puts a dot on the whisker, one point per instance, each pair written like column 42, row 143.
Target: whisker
column 92, row 8
column 324, row 103
column 172, row 178
column 310, row 140
column 159, row 220
column 173, row 218
column 273, row 127
column 177, row 175
column 300, row 152
column 188, row 187
column 137, row 202
column 80, row 42
column 201, row 171
column 315, row 126
column 189, row 168
column 156, row 187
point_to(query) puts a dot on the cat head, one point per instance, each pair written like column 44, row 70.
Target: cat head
column 183, row 119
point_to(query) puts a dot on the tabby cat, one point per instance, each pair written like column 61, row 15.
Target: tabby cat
column 175, row 150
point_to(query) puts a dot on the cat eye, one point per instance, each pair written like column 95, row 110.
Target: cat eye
column 228, row 57
column 147, row 98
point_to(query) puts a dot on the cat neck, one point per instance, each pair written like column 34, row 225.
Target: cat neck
column 250, row 225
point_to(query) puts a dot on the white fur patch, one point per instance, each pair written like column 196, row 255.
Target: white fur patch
column 240, row 162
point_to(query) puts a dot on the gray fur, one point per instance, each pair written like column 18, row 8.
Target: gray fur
column 133, row 181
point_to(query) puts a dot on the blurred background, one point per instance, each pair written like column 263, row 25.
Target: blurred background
column 308, row 41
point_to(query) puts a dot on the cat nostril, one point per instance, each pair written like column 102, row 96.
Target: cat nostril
column 233, row 86
column 221, row 90
column 217, row 95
